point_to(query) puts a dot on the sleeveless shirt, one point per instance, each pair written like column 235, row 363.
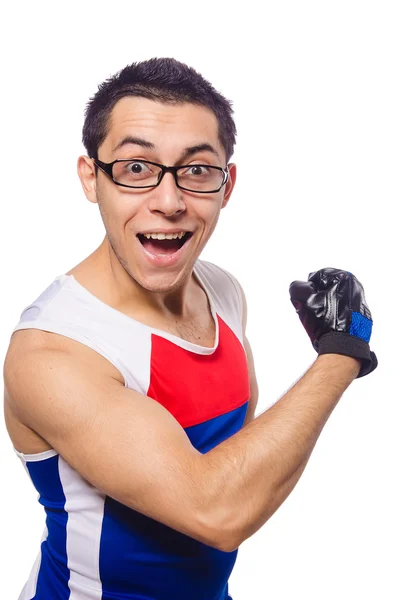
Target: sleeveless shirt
column 93, row 547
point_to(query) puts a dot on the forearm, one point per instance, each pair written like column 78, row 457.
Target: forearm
column 249, row 475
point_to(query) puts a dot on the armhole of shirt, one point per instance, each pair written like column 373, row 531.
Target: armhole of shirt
column 239, row 294
column 237, row 291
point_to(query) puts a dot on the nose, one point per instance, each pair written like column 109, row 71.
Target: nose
column 167, row 198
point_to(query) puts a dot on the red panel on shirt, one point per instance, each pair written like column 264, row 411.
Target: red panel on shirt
column 197, row 387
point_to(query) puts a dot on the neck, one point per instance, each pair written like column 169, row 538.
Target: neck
column 106, row 275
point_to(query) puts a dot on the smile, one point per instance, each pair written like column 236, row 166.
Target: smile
column 164, row 248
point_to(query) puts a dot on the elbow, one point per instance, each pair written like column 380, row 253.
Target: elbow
column 230, row 538
column 230, row 535
column 220, row 522
column 222, row 533
column 227, row 544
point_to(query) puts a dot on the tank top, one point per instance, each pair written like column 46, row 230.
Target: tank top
column 93, row 547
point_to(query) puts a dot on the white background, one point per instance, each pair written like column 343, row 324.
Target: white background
column 315, row 96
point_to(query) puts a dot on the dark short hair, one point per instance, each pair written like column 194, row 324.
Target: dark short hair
column 161, row 79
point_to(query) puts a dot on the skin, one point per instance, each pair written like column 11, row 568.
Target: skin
column 225, row 495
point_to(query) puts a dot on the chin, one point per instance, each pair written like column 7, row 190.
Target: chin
column 162, row 282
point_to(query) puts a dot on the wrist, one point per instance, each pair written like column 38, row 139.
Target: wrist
column 352, row 346
column 341, row 362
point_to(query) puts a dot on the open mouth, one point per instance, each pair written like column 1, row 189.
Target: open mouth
column 163, row 247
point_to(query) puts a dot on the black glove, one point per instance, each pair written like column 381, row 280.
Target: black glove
column 333, row 310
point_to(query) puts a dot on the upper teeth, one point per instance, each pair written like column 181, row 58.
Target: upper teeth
column 165, row 236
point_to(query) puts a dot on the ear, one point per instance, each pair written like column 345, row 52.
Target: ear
column 86, row 172
column 232, row 168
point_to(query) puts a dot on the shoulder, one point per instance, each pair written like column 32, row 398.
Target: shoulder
column 217, row 274
column 223, row 283
column 38, row 342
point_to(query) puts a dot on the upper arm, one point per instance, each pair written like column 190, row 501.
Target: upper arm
column 124, row 443
column 253, row 401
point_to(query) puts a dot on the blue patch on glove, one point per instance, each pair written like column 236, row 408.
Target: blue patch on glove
column 361, row 326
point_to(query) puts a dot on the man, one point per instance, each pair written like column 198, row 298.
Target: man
column 129, row 380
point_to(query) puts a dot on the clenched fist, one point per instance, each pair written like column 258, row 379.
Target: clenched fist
column 333, row 310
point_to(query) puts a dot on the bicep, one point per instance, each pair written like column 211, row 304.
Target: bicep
column 122, row 442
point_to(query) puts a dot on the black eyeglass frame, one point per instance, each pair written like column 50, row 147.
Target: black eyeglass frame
column 107, row 168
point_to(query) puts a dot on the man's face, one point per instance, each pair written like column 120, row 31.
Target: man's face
column 128, row 214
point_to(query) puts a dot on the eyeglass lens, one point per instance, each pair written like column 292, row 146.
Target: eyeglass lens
column 199, row 178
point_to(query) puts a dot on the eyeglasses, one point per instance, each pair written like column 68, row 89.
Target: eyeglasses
column 139, row 174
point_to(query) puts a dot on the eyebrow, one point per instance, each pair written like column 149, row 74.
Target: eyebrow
column 187, row 152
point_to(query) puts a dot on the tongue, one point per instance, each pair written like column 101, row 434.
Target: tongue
column 158, row 247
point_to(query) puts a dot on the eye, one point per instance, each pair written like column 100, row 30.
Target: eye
column 135, row 173
column 136, row 167
column 198, row 170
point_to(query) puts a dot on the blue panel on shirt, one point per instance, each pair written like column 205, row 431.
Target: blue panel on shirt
column 45, row 477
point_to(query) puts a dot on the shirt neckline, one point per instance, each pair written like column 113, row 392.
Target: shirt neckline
column 196, row 348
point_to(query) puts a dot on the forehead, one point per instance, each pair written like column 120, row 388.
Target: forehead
column 165, row 125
